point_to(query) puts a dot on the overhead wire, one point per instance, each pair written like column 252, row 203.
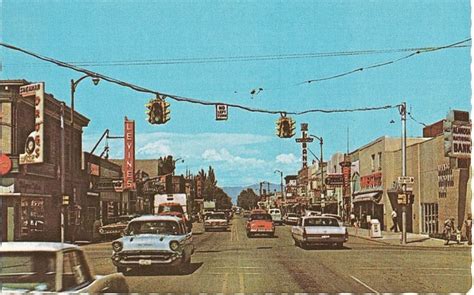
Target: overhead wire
column 182, row 98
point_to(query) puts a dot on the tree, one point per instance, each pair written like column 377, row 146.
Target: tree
column 247, row 199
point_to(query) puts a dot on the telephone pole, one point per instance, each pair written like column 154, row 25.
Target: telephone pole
column 403, row 113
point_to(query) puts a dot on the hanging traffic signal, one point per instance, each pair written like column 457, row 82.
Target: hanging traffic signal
column 158, row 112
column 285, row 127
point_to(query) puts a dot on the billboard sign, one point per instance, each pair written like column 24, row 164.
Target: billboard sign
column 34, row 147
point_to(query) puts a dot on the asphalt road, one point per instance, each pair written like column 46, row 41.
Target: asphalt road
column 229, row 262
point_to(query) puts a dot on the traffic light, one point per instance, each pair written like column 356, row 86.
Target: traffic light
column 448, row 137
column 158, row 112
column 285, row 127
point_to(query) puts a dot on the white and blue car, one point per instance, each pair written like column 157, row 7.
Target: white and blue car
column 313, row 230
column 154, row 241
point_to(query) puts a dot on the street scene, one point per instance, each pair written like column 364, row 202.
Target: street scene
column 235, row 147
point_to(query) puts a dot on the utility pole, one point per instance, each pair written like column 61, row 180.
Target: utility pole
column 283, row 195
column 403, row 113
column 62, row 172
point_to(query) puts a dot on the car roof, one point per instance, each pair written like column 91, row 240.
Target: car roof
column 156, row 218
column 255, row 211
column 35, row 246
column 318, row 217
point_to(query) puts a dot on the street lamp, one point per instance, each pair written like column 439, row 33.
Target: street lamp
column 320, row 158
column 74, row 84
column 281, row 183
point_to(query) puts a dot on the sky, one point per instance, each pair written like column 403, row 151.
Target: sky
column 244, row 149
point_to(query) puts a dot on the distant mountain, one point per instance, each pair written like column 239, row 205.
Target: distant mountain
column 234, row 191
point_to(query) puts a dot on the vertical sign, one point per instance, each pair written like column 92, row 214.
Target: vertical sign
column 34, row 143
column 303, row 140
column 129, row 155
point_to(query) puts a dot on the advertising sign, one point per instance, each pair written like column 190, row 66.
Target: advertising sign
column 461, row 142
column 34, row 148
column 221, row 112
column 334, row 179
column 129, row 155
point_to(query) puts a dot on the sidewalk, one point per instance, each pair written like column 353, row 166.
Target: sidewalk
column 393, row 238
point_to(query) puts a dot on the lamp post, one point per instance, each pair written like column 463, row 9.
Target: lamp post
column 281, row 183
column 403, row 114
column 74, row 84
column 321, row 163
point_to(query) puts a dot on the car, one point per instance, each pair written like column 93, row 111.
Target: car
column 312, row 230
column 246, row 213
column 339, row 218
column 312, row 213
column 176, row 209
column 216, row 220
column 52, row 267
column 115, row 229
column 260, row 222
column 154, row 240
column 276, row 215
column 291, row 218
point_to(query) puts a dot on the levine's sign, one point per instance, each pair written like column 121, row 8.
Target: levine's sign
column 34, row 148
column 129, row 155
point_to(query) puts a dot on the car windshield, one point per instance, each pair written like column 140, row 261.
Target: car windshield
column 292, row 215
column 170, row 208
column 275, row 211
column 165, row 227
column 260, row 217
column 321, row 222
column 216, row 216
column 33, row 271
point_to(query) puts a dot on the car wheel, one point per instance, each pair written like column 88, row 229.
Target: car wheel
column 340, row 245
column 121, row 269
column 303, row 245
column 271, row 235
column 249, row 235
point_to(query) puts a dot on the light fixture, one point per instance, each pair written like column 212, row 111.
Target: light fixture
column 95, row 80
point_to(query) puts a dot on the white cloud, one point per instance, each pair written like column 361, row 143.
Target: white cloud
column 286, row 158
column 156, row 148
column 223, row 155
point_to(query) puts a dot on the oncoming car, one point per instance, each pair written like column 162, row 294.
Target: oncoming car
column 217, row 221
column 291, row 218
column 260, row 222
column 312, row 230
column 154, row 241
column 276, row 215
column 52, row 267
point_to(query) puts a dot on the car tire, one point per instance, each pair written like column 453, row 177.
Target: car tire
column 249, row 235
column 121, row 269
column 340, row 245
column 271, row 235
column 303, row 245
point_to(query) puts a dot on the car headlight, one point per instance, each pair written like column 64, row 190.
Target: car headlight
column 117, row 246
column 174, row 245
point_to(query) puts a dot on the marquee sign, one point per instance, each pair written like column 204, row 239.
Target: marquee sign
column 34, row 148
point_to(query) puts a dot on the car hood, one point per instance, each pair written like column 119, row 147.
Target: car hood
column 149, row 242
column 325, row 230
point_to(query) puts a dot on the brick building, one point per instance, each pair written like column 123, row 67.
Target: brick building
column 30, row 192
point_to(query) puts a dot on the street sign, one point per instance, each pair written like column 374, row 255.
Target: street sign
column 402, row 199
column 406, row 180
column 305, row 139
column 334, row 179
column 221, row 112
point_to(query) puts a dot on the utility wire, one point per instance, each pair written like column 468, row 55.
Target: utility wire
column 411, row 117
column 181, row 98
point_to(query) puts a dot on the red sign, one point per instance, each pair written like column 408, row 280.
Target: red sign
column 129, row 155
column 5, row 164
column 371, row 181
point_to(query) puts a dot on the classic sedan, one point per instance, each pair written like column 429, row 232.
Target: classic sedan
column 154, row 240
column 52, row 267
column 260, row 222
column 217, row 221
column 291, row 218
column 311, row 230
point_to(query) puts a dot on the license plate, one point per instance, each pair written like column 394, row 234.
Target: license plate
column 325, row 237
column 144, row 262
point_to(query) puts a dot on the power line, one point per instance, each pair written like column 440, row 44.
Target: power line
column 181, row 98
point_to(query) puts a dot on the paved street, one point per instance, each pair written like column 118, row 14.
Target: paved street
column 229, row 262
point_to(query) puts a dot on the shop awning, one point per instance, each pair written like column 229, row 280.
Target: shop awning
column 367, row 197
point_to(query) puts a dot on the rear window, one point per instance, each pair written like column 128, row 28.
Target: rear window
column 170, row 208
column 275, row 211
column 321, row 222
column 260, row 217
column 216, row 216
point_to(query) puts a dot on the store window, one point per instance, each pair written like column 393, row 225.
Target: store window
column 32, row 216
column 429, row 215
column 372, row 162
column 379, row 162
column 5, row 127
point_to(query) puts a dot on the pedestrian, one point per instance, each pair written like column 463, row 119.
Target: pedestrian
column 458, row 234
column 353, row 219
column 394, row 220
column 468, row 226
column 448, row 229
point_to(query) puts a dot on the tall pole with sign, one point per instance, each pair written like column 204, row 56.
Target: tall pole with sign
column 403, row 113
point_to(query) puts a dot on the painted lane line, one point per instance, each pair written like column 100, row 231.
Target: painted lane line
column 233, row 267
column 241, row 283
column 224, row 283
column 418, row 268
column 365, row 285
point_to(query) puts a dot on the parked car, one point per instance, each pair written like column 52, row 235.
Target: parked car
column 260, row 222
column 216, row 220
column 154, row 240
column 312, row 230
column 276, row 215
column 291, row 218
column 52, row 267
column 246, row 214
column 114, row 230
